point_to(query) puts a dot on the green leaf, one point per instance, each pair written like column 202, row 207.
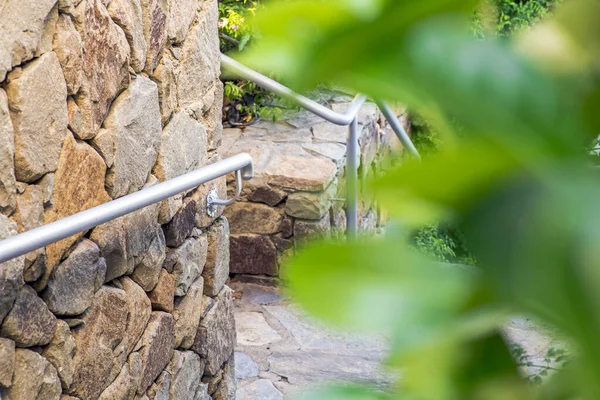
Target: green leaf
column 342, row 393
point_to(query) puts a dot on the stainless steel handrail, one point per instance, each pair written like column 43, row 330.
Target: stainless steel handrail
column 349, row 118
column 23, row 243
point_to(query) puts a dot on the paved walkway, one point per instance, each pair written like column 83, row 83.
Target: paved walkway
column 280, row 351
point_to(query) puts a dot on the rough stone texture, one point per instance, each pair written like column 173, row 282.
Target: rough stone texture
column 128, row 15
column 253, row 330
column 78, row 186
column 130, row 139
column 154, row 19
column 268, row 195
column 69, row 50
column 126, row 383
column 37, row 96
column 253, row 218
column 111, row 238
column 23, row 33
column 147, row 272
column 219, row 185
column 181, row 16
column 304, row 229
column 216, row 270
column 228, row 385
column 301, row 173
column 200, row 58
column 163, row 295
column 60, row 353
column 262, row 260
column 138, row 313
column 308, row 205
column 166, row 80
column 104, row 64
column 186, row 314
column 182, row 224
column 103, row 329
column 160, row 388
column 29, row 323
column 259, row 389
column 155, row 348
column 7, row 362
column 245, row 367
column 34, row 378
column 182, row 148
column 187, row 263
column 73, row 283
column 7, row 158
column 29, row 213
column 215, row 338
column 186, row 370
column 11, row 272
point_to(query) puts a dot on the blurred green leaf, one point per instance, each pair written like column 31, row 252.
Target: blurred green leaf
column 342, row 393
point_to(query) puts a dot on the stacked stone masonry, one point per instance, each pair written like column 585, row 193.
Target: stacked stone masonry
column 99, row 99
column 299, row 186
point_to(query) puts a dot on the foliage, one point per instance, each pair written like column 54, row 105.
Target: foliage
column 518, row 185
column 443, row 243
column 555, row 359
column 235, row 32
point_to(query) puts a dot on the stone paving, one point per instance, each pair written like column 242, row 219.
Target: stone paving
column 280, row 351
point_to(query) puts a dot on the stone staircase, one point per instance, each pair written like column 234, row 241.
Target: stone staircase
column 299, row 185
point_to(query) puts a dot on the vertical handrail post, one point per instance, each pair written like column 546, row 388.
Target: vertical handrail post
column 352, row 161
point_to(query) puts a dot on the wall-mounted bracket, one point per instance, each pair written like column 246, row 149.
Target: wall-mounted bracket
column 213, row 201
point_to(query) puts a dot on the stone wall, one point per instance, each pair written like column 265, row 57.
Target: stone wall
column 98, row 99
column 299, row 185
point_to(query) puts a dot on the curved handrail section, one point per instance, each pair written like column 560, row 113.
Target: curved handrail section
column 344, row 119
column 23, row 243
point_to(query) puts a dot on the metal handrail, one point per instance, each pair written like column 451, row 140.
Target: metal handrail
column 349, row 118
column 23, row 243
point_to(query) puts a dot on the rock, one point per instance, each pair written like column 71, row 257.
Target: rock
column 111, row 239
column 328, row 132
column 215, row 338
column 22, row 32
column 168, row 208
column 154, row 19
column 34, row 378
column 128, row 15
column 78, row 186
column 269, row 195
column 259, row 389
column 181, row 225
column 186, row 370
column 245, row 367
column 104, row 64
column 147, row 271
column 72, row 285
column 7, row 362
column 7, row 158
column 309, row 174
column 219, row 186
column 166, row 80
column 102, row 331
column 186, row 314
column 60, row 353
column 253, row 329
column 181, row 16
column 47, row 185
column 200, row 59
column 155, row 348
column 182, row 148
column 126, row 383
column 29, row 323
column 253, row 254
column 253, row 218
column 142, row 229
column 160, row 388
column 287, row 227
column 228, row 385
column 202, row 393
column 37, row 96
column 304, row 228
column 216, row 270
column 28, row 215
column 333, row 151
column 307, row 205
column 211, row 115
column 187, row 263
column 130, row 139
column 76, row 122
column 139, row 309
column 163, row 295
column 69, row 51
column 11, row 272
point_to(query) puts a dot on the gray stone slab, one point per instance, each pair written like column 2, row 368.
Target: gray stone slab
column 261, row 389
column 253, row 330
column 245, row 367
